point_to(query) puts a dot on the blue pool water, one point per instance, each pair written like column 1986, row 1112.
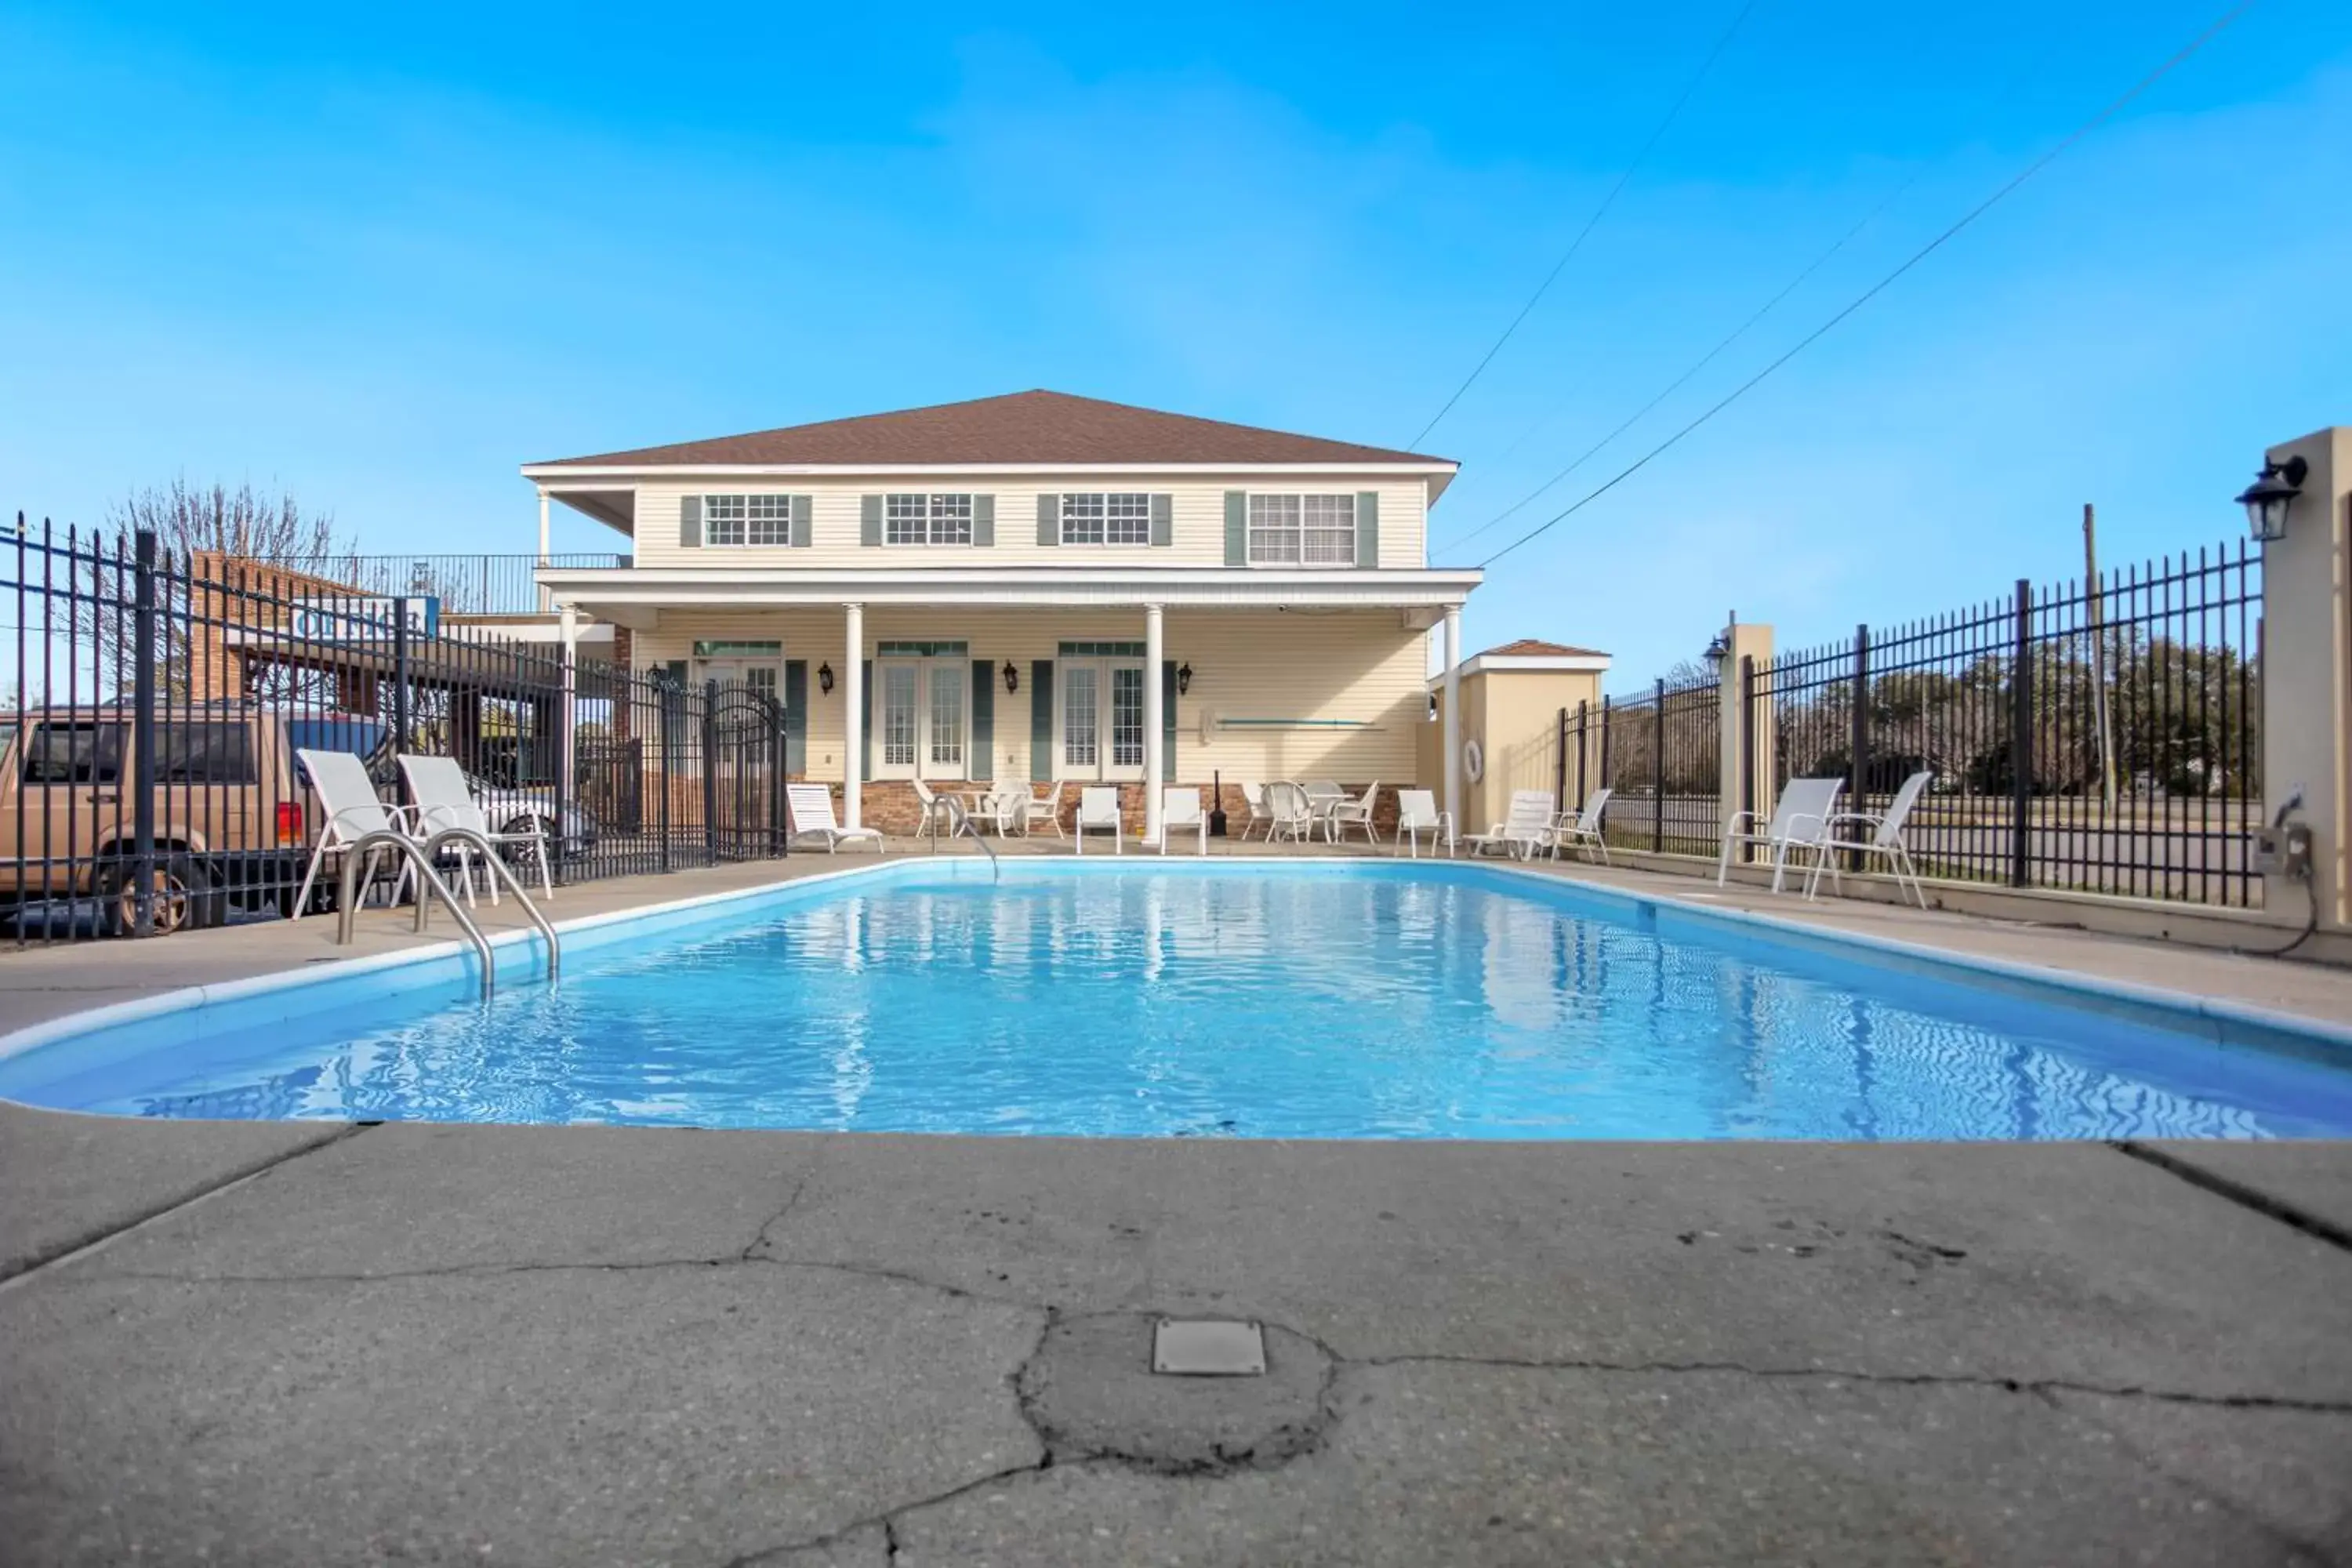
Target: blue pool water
column 1405, row 1002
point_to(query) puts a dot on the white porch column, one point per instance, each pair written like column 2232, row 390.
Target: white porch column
column 543, row 597
column 853, row 723
column 1453, row 716
column 1154, row 718
column 564, row 721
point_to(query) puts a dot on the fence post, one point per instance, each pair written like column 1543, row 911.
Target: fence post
column 711, row 770
column 1858, row 783
column 1560, row 764
column 143, row 734
column 1607, row 778
column 1583, row 740
column 1747, row 734
column 780, row 731
column 400, row 704
column 1658, row 768
column 2021, row 740
column 664, row 696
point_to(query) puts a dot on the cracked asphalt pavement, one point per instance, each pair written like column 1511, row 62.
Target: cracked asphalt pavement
column 319, row 1345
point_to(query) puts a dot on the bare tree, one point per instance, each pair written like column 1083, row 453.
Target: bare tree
column 244, row 522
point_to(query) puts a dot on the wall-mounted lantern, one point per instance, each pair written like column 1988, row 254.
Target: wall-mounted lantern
column 1012, row 678
column 2266, row 500
column 824, row 678
column 1183, row 678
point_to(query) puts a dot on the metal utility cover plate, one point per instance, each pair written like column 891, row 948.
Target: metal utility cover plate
column 1207, row 1347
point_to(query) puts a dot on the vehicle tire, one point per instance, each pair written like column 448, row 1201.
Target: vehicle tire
column 184, row 898
column 523, row 858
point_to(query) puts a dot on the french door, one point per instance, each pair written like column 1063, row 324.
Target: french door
column 922, row 714
column 1099, row 721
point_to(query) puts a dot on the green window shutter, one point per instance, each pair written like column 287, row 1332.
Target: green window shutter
column 802, row 507
column 980, row 757
column 870, row 519
column 689, row 523
column 676, row 667
column 1237, row 528
column 1167, row 720
column 1049, row 519
column 795, row 717
column 1163, row 521
column 983, row 521
column 1041, row 720
column 1368, row 528
column 866, row 724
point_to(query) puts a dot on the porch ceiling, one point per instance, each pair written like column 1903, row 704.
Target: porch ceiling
column 614, row 507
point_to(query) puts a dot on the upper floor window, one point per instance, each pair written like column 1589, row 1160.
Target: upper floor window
column 1302, row 531
column 1118, row 517
column 746, row 519
column 927, row 519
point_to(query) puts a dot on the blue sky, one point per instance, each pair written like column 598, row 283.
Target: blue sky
column 380, row 256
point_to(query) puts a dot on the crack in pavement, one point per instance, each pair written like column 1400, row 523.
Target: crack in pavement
column 792, row 1201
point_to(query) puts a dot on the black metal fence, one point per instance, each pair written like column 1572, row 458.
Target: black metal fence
column 465, row 584
column 2103, row 737
column 153, row 706
column 1659, row 753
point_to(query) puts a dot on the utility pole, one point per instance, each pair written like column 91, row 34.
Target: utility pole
column 2092, row 600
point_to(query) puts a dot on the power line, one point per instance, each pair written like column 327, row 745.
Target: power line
column 1700, row 364
column 1591, row 223
column 2211, row 31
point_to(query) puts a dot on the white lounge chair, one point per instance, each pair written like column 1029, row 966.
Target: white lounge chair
column 811, row 805
column 1522, row 832
column 352, row 810
column 1253, row 797
column 1580, row 830
column 1180, row 808
column 1417, row 814
column 1800, row 821
column 1098, row 812
column 1356, row 810
column 1885, row 839
column 445, row 800
column 1291, row 812
column 1045, row 808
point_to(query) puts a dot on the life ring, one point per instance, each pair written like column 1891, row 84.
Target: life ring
column 1473, row 759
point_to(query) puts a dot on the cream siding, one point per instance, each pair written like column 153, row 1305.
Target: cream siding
column 1299, row 667
column 1198, row 517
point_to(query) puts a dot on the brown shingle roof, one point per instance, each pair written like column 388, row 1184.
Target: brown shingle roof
column 1531, row 646
column 1020, row 427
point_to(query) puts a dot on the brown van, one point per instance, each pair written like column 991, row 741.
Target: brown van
column 230, row 814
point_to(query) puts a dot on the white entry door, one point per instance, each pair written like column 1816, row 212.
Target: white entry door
column 922, row 717
column 1098, row 719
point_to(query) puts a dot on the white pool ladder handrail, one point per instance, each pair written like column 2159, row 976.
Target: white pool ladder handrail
column 431, row 884
column 959, row 821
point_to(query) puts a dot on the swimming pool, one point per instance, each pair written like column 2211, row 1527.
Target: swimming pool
column 1211, row 999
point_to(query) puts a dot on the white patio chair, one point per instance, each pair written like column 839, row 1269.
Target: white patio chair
column 445, row 800
column 352, row 810
column 1580, row 830
column 1253, row 797
column 1045, row 808
column 1356, row 810
column 1800, row 821
column 1885, row 839
column 1180, row 808
column 1417, row 814
column 1323, row 798
column 934, row 809
column 1523, row 831
column 1290, row 811
column 1098, row 812
column 810, row 807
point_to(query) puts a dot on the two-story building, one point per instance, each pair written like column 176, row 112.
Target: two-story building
column 1034, row 588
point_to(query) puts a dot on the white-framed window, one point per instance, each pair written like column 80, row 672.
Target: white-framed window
column 1302, row 531
column 746, row 519
column 1098, row 711
column 922, row 709
column 1099, row 517
column 927, row 519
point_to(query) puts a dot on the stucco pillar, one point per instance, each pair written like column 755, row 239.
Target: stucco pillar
column 2307, row 669
column 853, row 719
column 1453, row 802
column 1745, row 738
column 543, row 596
column 1154, row 716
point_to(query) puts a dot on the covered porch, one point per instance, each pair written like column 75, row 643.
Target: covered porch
column 1054, row 676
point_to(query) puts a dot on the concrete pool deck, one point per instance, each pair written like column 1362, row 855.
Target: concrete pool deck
column 319, row 1343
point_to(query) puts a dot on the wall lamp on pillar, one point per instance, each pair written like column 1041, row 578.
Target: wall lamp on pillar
column 2267, row 499
column 1012, row 679
column 824, row 678
column 1721, row 649
column 1184, row 677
